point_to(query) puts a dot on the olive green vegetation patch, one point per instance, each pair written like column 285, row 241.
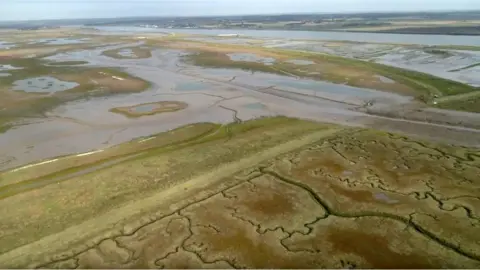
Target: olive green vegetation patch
column 469, row 105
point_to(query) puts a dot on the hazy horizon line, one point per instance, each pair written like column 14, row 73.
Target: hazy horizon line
column 254, row 14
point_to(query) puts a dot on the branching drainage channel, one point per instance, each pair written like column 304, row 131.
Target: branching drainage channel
column 408, row 222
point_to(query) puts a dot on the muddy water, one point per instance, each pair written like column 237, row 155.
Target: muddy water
column 91, row 126
column 212, row 94
column 43, row 85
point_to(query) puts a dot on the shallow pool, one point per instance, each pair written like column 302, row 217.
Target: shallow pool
column 43, row 85
column 255, row 106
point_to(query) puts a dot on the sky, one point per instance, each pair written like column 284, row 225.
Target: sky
column 60, row 9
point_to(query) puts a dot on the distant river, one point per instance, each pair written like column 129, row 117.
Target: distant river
column 350, row 36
